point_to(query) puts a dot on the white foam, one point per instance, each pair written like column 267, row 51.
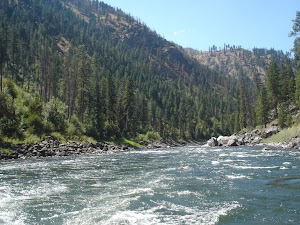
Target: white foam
column 162, row 212
column 186, row 168
column 12, row 218
column 254, row 167
column 137, row 191
column 43, row 190
column 215, row 162
column 237, row 176
column 283, row 168
column 132, row 218
column 170, row 169
column 232, row 160
column 186, row 192
column 10, row 208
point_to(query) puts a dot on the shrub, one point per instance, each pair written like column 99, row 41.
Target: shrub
column 36, row 125
column 153, row 136
column 55, row 113
column 150, row 136
column 58, row 136
column 9, row 122
column 71, row 130
column 74, row 127
column 111, row 130
column 289, row 120
column 35, row 106
column 11, row 89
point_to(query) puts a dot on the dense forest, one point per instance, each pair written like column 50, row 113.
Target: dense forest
column 81, row 67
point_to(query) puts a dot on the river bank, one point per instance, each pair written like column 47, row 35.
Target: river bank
column 267, row 137
column 49, row 148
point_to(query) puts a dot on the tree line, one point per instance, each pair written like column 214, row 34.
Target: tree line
column 67, row 67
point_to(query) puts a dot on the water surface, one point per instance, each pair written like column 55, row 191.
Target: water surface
column 189, row 185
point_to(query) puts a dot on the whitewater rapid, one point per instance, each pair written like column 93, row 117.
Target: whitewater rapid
column 186, row 185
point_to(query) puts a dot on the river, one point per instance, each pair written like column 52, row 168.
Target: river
column 186, row 185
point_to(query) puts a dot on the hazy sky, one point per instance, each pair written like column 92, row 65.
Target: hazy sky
column 203, row 23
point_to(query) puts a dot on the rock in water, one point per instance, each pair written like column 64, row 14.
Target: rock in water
column 222, row 141
column 232, row 142
column 212, row 142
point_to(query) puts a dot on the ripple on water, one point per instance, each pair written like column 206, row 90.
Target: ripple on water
column 164, row 186
column 162, row 213
column 237, row 176
column 290, row 182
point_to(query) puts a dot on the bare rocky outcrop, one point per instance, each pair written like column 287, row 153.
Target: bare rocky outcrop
column 252, row 138
column 294, row 143
column 223, row 141
column 269, row 131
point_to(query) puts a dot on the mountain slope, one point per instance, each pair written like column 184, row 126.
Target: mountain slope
column 97, row 71
column 231, row 60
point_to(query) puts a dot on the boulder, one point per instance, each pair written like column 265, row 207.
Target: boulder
column 248, row 138
column 212, row 142
column 232, row 142
column 223, row 140
column 294, row 143
column 256, row 140
column 269, row 131
column 228, row 140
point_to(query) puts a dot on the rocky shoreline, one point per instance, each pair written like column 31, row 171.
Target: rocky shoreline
column 51, row 148
column 253, row 138
column 55, row 148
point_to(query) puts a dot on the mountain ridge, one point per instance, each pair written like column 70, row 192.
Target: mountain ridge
column 109, row 75
column 232, row 60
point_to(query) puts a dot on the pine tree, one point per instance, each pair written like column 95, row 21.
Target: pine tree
column 262, row 107
column 128, row 106
column 296, row 33
column 112, row 100
column 282, row 114
column 273, row 84
column 3, row 55
column 297, row 91
column 84, row 82
column 286, row 83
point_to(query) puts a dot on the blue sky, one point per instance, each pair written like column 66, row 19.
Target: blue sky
column 203, row 23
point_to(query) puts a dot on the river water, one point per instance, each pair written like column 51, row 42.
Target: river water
column 188, row 185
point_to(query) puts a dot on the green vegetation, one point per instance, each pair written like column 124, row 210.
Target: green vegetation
column 70, row 70
column 6, row 151
column 26, row 139
column 82, row 70
column 149, row 137
column 125, row 142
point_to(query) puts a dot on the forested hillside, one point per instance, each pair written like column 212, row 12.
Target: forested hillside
column 268, row 74
column 81, row 67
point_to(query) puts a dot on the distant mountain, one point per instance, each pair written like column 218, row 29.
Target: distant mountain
column 109, row 75
column 232, row 60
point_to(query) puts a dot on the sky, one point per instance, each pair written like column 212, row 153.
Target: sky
column 200, row 24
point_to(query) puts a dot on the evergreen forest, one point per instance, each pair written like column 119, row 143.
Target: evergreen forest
column 80, row 68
